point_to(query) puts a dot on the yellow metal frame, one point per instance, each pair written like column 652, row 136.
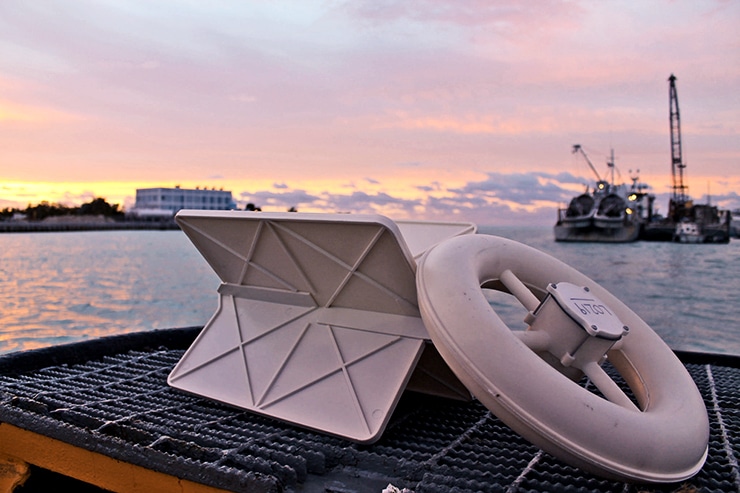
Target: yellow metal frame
column 20, row 448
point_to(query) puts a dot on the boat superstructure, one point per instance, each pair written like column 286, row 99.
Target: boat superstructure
column 608, row 212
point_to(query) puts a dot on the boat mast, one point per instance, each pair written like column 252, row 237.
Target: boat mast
column 677, row 165
column 610, row 165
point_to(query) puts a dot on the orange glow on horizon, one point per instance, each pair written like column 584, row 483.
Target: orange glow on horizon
column 12, row 112
column 410, row 193
column 410, row 184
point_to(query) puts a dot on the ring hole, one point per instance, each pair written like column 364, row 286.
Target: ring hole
column 617, row 377
column 507, row 307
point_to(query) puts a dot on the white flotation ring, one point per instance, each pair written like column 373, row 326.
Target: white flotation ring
column 662, row 437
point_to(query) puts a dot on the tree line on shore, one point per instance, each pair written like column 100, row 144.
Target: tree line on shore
column 96, row 207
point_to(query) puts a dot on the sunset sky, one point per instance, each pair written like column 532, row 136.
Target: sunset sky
column 414, row 109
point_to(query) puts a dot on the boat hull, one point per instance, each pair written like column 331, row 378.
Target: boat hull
column 625, row 233
column 666, row 231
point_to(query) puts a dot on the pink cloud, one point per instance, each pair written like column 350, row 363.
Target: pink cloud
column 282, row 92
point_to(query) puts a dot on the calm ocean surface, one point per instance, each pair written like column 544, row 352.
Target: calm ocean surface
column 64, row 287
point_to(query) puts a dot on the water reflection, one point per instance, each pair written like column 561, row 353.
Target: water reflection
column 61, row 287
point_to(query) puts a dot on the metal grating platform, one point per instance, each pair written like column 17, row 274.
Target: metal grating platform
column 111, row 395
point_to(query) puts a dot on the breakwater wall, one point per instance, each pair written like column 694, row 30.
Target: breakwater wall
column 48, row 227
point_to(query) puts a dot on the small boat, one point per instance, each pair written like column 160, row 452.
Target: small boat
column 688, row 232
column 608, row 213
column 225, row 407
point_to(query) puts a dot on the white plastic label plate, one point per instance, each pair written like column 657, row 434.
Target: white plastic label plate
column 588, row 310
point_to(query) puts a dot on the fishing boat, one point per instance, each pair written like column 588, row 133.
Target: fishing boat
column 344, row 357
column 606, row 213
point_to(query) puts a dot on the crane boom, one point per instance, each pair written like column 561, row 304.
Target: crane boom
column 677, row 164
column 578, row 148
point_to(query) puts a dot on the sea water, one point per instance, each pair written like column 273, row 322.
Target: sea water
column 70, row 286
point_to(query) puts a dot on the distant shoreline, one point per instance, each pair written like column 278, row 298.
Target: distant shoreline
column 83, row 225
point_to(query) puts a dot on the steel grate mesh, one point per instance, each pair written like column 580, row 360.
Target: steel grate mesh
column 120, row 402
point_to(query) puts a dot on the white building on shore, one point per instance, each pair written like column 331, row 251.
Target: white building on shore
column 165, row 202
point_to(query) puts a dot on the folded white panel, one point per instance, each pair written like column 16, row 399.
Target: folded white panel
column 318, row 322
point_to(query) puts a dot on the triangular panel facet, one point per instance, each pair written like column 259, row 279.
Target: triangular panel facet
column 271, row 265
column 375, row 376
column 346, row 244
column 225, row 248
column 220, row 336
column 257, row 318
column 225, row 378
column 319, row 408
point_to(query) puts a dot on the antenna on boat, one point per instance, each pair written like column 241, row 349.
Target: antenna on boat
column 709, row 196
column 611, row 164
